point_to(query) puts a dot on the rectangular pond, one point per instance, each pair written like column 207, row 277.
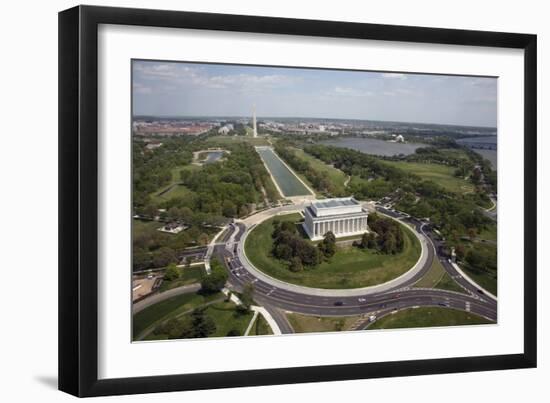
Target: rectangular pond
column 286, row 180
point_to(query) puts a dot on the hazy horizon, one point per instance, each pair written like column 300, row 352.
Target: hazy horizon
column 177, row 89
column 301, row 117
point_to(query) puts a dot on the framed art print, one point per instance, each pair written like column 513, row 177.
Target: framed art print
column 250, row 201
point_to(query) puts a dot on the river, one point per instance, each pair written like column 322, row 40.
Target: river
column 478, row 143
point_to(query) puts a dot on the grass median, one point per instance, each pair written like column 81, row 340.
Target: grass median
column 428, row 317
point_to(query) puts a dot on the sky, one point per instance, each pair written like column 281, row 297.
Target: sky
column 193, row 89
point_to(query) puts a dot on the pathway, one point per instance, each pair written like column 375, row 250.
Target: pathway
column 156, row 298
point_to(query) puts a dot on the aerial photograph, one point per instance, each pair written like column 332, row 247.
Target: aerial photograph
column 271, row 201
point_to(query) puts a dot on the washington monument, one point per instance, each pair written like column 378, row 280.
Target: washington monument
column 255, row 134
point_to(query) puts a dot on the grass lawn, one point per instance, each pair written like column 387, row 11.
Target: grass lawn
column 143, row 227
column 155, row 314
column 260, row 327
column 357, row 180
column 188, row 275
column 336, row 176
column 305, row 323
column 224, row 315
column 437, row 277
column 427, row 317
column 227, row 318
column 443, row 175
column 486, row 280
column 350, row 267
column 176, row 171
column 447, row 283
column 490, row 234
column 175, row 191
column 222, row 140
column 433, row 276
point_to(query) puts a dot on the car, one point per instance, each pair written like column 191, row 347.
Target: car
column 362, row 300
column 338, row 303
column 443, row 304
column 372, row 318
column 480, row 291
column 383, row 305
column 397, row 295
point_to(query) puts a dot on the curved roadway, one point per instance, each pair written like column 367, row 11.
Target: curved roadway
column 379, row 303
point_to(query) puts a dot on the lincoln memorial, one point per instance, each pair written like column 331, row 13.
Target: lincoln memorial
column 343, row 216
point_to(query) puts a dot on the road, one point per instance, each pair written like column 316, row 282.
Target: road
column 156, row 298
column 278, row 300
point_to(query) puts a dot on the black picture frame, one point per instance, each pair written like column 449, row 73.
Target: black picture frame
column 78, row 199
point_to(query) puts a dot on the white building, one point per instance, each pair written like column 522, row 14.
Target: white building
column 343, row 216
column 255, row 130
column 225, row 129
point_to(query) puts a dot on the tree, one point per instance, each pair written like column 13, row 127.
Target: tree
column 476, row 175
column 233, row 333
column 368, row 241
column 203, row 239
column 328, row 245
column 150, row 211
column 243, row 211
column 203, row 325
column 217, row 278
column 283, row 251
column 308, row 254
column 141, row 259
column 164, row 256
column 247, row 298
column 173, row 328
column 460, row 251
column 229, row 209
column 389, row 245
column 171, row 273
column 173, row 214
column 296, row 264
column 476, row 259
column 288, row 226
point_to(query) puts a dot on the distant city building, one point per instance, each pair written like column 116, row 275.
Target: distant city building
column 225, row 129
column 152, row 146
column 343, row 216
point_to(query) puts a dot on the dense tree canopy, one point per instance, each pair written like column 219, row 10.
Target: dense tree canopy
column 217, row 278
column 288, row 245
column 387, row 236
